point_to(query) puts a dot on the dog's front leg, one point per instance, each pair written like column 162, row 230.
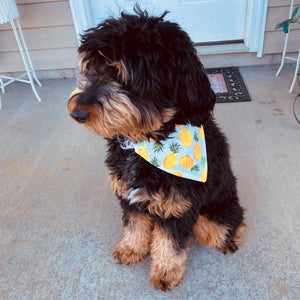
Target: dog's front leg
column 135, row 244
column 168, row 256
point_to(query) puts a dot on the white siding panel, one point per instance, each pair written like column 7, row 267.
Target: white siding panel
column 278, row 11
column 43, row 15
column 274, row 42
column 49, row 33
column 40, row 38
column 42, row 60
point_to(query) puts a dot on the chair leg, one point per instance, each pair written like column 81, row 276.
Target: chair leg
column 27, row 53
column 2, row 86
column 24, row 57
column 2, row 89
column 295, row 74
column 283, row 54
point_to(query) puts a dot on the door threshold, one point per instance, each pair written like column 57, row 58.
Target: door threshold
column 220, row 48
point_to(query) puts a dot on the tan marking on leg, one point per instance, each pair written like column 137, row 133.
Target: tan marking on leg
column 168, row 266
column 239, row 234
column 232, row 245
column 135, row 244
column 173, row 205
column 209, row 233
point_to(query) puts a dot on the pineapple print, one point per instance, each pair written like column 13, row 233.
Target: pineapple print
column 197, row 148
column 204, row 172
column 201, row 132
column 185, row 136
column 186, row 162
column 195, row 169
column 177, row 174
column 170, row 160
column 158, row 147
column 143, row 152
column 155, row 162
column 183, row 154
column 204, row 175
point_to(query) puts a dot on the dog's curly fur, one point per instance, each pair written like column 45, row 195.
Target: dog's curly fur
column 140, row 76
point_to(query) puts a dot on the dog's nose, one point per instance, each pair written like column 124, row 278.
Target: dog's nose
column 80, row 116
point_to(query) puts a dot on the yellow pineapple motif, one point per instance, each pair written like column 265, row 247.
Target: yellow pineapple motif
column 182, row 154
column 204, row 175
column 201, row 132
column 204, row 172
column 177, row 174
column 197, row 148
column 171, row 159
column 185, row 136
column 186, row 162
column 143, row 152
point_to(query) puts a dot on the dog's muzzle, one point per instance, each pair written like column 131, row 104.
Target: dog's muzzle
column 75, row 112
column 79, row 115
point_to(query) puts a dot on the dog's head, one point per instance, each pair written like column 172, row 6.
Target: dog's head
column 140, row 76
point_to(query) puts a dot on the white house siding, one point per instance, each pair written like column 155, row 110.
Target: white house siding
column 278, row 10
column 49, row 33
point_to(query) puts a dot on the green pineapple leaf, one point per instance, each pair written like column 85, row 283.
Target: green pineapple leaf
column 195, row 169
column 196, row 137
column 158, row 147
column 175, row 148
column 155, row 162
column 203, row 162
column 144, row 143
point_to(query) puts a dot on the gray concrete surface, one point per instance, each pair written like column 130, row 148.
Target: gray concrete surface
column 59, row 220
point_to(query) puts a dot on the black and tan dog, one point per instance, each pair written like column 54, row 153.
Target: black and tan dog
column 141, row 82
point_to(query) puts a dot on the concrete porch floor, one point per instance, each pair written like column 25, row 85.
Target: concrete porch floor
column 59, row 220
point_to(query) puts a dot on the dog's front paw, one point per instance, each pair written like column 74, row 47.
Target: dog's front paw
column 235, row 242
column 165, row 280
column 231, row 247
column 127, row 255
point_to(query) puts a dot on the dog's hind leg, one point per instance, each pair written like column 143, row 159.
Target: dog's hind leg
column 221, row 226
column 135, row 244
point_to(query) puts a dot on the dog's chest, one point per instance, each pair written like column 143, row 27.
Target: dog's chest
column 142, row 185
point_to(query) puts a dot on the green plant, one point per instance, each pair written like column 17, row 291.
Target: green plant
column 286, row 24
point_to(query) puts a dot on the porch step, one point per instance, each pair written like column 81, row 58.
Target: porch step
column 221, row 48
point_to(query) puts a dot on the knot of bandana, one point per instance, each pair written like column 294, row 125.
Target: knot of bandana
column 183, row 154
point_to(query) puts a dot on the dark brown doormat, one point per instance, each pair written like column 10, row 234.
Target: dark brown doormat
column 228, row 84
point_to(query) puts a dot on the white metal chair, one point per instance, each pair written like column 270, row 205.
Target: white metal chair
column 285, row 57
column 9, row 14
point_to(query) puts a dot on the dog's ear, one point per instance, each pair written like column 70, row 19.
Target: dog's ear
column 195, row 95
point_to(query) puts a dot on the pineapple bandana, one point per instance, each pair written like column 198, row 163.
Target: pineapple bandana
column 183, row 154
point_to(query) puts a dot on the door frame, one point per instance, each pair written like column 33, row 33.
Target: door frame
column 254, row 29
